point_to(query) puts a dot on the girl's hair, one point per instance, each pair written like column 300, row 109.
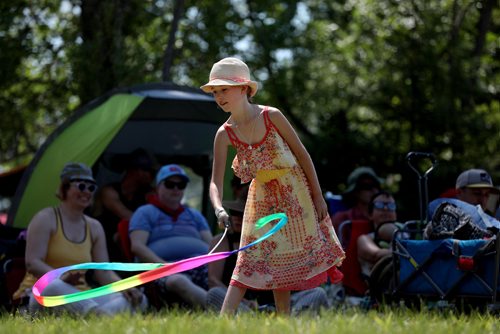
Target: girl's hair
column 62, row 191
column 249, row 94
column 380, row 193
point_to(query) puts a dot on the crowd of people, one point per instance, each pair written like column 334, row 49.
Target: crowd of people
column 274, row 173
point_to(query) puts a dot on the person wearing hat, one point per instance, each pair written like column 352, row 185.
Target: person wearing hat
column 474, row 186
column 271, row 156
column 64, row 235
column 362, row 184
column 219, row 272
column 117, row 201
column 165, row 230
column 475, row 196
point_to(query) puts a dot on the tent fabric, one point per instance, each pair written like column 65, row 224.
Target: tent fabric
column 175, row 123
column 83, row 140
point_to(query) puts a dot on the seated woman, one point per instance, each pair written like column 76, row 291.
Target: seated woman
column 374, row 246
column 63, row 236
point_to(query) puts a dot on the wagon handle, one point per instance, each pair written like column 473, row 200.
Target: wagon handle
column 422, row 179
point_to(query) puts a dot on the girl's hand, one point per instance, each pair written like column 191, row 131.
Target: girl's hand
column 321, row 207
column 223, row 219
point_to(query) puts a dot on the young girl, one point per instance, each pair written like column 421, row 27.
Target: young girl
column 271, row 155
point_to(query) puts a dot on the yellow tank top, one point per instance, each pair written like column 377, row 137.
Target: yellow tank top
column 61, row 252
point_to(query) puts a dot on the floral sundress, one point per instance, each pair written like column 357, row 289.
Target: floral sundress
column 299, row 255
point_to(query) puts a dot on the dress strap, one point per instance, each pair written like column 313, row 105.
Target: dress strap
column 267, row 120
column 232, row 136
column 57, row 213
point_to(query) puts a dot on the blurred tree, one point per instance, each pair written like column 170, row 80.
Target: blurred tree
column 363, row 81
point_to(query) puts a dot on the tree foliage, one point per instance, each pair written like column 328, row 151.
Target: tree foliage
column 363, row 81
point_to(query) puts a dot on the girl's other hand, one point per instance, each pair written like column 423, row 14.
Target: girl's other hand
column 321, row 207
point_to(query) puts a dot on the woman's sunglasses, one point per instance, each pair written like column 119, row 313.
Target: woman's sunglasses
column 171, row 185
column 82, row 186
column 391, row 206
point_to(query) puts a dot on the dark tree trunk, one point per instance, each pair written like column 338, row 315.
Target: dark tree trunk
column 169, row 56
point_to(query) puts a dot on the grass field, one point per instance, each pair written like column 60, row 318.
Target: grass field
column 331, row 321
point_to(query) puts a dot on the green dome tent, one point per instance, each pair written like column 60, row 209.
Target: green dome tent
column 174, row 123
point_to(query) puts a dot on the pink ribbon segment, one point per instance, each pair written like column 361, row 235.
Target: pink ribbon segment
column 153, row 271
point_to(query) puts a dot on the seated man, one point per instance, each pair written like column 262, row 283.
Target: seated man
column 118, row 201
column 474, row 186
column 474, row 189
column 374, row 246
column 168, row 231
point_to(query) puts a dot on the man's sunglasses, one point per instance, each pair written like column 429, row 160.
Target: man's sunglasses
column 82, row 186
column 391, row 206
column 171, row 185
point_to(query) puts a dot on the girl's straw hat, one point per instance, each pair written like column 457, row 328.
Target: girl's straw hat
column 230, row 72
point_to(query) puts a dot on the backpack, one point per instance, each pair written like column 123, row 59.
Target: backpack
column 450, row 221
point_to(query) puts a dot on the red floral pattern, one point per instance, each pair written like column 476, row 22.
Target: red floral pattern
column 298, row 256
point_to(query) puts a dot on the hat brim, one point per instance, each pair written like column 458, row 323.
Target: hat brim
column 82, row 178
column 480, row 185
column 352, row 187
column 207, row 88
column 184, row 177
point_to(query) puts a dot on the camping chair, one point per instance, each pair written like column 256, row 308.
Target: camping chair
column 349, row 232
column 124, row 240
column 13, row 271
column 447, row 270
column 12, row 264
column 335, row 203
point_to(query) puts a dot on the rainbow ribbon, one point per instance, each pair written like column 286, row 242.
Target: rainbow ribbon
column 153, row 271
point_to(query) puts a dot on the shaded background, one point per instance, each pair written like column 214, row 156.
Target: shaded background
column 363, row 82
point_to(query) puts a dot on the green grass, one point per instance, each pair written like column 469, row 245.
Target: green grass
column 330, row 321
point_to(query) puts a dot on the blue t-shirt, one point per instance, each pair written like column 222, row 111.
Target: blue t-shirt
column 171, row 240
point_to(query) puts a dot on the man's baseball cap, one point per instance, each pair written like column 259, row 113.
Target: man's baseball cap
column 474, row 178
column 170, row 170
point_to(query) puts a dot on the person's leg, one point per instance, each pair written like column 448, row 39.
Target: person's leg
column 58, row 287
column 282, row 301
column 233, row 299
column 215, row 298
column 186, row 289
column 117, row 303
column 309, row 300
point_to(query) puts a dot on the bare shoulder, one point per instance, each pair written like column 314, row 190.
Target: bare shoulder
column 279, row 120
column 44, row 218
column 96, row 228
column 276, row 115
column 221, row 137
column 273, row 111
